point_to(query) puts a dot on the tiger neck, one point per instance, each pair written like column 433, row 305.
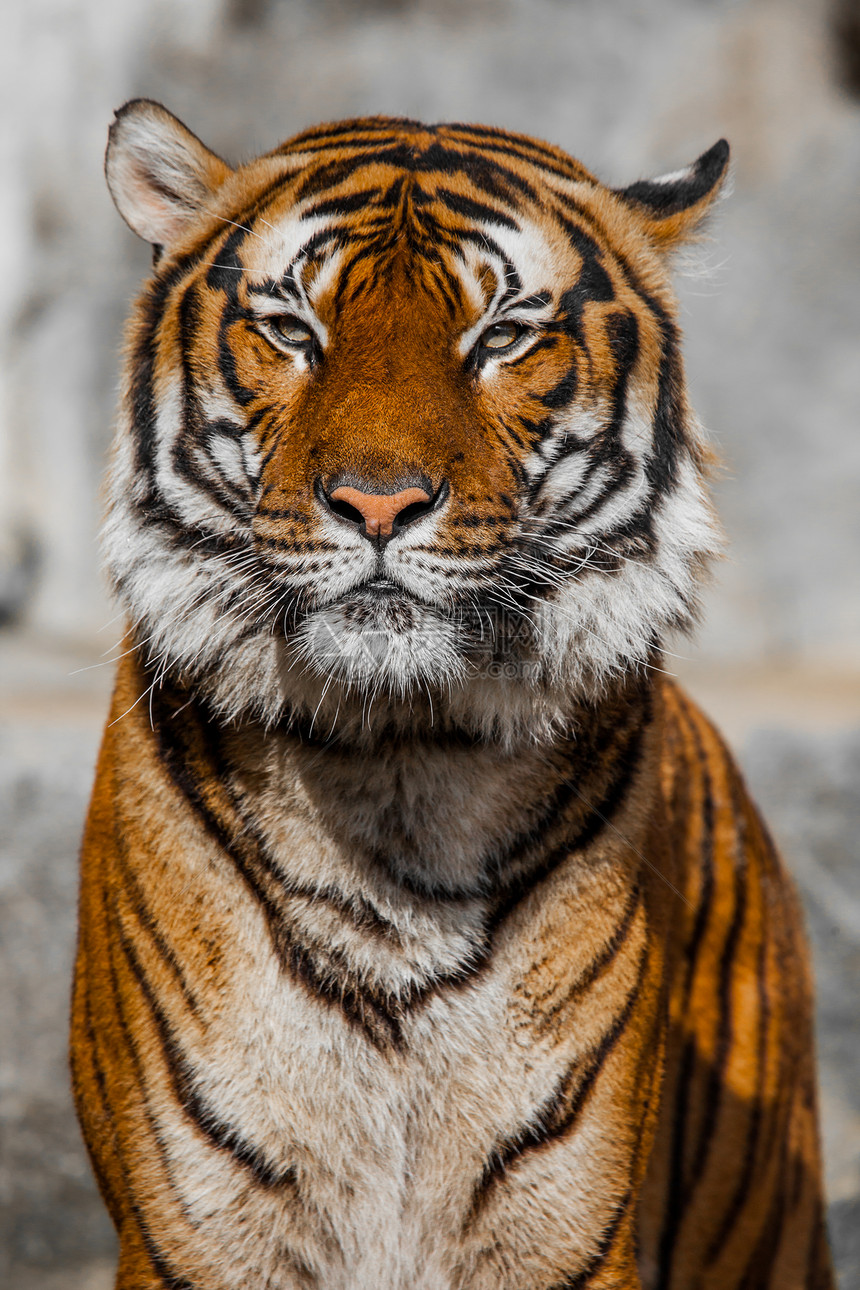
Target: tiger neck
column 442, row 815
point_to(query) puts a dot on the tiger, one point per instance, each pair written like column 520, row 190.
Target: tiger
column 428, row 934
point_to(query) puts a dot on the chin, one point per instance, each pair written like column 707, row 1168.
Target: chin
column 383, row 643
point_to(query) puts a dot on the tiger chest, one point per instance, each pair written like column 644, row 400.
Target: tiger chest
column 356, row 1158
column 346, row 1092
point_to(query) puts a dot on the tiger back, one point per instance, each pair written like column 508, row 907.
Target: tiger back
column 428, row 935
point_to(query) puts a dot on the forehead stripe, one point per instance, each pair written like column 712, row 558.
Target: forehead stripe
column 344, row 205
column 472, row 210
column 364, row 133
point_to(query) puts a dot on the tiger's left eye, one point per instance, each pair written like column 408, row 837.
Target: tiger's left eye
column 501, row 335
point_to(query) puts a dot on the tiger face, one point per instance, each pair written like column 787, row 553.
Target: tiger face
column 404, row 421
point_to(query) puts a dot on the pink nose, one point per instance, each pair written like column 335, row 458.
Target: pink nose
column 379, row 510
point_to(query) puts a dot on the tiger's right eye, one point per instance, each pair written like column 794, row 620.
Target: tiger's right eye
column 291, row 330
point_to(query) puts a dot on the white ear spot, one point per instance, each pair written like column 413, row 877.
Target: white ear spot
column 159, row 174
column 675, row 176
column 674, row 205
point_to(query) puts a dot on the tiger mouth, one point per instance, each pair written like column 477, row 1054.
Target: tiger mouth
column 380, row 615
column 383, row 588
column 381, row 598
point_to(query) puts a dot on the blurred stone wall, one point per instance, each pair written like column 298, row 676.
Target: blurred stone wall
column 771, row 307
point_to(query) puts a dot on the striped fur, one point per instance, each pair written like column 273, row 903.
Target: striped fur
column 429, row 937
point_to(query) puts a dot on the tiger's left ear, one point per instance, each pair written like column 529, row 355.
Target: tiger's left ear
column 673, row 206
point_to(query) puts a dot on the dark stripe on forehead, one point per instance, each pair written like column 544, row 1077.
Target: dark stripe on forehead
column 472, row 210
column 343, row 205
column 411, row 134
column 372, row 148
column 332, row 173
column 484, row 172
column 349, row 130
column 521, row 145
column 549, row 165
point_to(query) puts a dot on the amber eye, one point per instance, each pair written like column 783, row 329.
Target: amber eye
column 501, row 335
column 289, row 329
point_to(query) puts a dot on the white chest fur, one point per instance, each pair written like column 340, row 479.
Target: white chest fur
column 314, row 1143
column 378, row 1151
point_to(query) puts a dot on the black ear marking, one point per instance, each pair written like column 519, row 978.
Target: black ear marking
column 675, row 204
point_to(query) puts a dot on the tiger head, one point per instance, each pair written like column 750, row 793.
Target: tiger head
column 404, row 423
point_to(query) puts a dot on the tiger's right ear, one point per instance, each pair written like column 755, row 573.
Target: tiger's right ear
column 674, row 206
column 159, row 174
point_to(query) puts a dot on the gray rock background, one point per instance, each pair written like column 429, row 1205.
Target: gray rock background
column 632, row 87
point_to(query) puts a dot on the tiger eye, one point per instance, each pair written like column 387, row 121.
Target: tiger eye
column 291, row 330
column 501, row 336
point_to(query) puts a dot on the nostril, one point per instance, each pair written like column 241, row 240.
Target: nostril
column 344, row 510
column 416, row 510
column 410, row 513
column 332, row 501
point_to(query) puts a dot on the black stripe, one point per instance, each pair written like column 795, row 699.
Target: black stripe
column 716, row 1088
column 322, row 176
column 106, row 1118
column 377, row 1015
column 230, row 314
column 601, row 961
column 755, row 1128
column 607, row 448
column 508, row 892
column 533, row 148
column 138, row 904
column 597, row 816
column 521, row 148
column 594, row 284
column 350, row 132
column 170, row 1280
column 677, row 1195
column 558, row 1115
column 761, row 1261
column 472, row 210
column 563, row 392
column 661, row 465
column 343, row 205
column 142, row 363
column 224, row 1136
column 111, row 914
